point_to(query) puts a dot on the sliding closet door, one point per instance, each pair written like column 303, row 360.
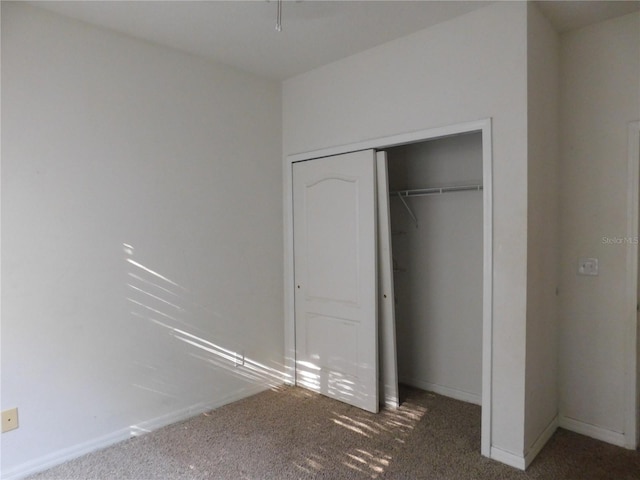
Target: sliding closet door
column 334, row 216
column 386, row 312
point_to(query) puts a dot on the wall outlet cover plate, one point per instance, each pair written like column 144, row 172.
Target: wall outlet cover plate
column 9, row 420
column 588, row 266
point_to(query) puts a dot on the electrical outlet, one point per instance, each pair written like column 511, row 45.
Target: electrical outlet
column 9, row 420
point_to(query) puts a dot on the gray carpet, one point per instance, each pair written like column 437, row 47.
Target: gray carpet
column 290, row 433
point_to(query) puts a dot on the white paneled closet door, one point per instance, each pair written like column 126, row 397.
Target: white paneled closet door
column 334, row 215
column 386, row 294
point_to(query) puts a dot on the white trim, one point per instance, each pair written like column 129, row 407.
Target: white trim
column 541, row 441
column 289, row 277
column 522, row 462
column 56, row 458
column 631, row 400
column 599, row 433
column 487, row 286
column 394, row 140
column 468, row 397
column 66, row 454
column 485, row 126
column 194, row 410
column 508, row 458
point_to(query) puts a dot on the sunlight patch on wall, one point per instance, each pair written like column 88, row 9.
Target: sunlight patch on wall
column 159, row 300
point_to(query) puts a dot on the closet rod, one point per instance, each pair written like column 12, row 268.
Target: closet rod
column 420, row 192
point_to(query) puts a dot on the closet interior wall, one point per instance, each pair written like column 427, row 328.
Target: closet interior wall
column 438, row 266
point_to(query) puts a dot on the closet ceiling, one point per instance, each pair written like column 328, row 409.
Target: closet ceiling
column 242, row 33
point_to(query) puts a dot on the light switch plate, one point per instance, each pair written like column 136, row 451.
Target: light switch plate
column 588, row 266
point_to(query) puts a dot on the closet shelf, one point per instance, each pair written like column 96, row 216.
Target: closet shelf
column 421, row 192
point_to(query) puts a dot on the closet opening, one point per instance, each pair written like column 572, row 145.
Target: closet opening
column 436, row 217
column 443, row 176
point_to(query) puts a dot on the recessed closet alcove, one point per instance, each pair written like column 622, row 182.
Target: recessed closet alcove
column 391, row 268
column 436, row 210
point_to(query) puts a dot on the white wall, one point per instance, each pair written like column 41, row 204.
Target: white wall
column 543, row 229
column 600, row 94
column 439, row 285
column 466, row 69
column 110, row 141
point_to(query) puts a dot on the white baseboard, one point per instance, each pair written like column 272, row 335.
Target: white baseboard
column 193, row 410
column 64, row 455
column 508, row 458
column 593, row 431
column 446, row 391
column 522, row 462
column 60, row 456
column 541, row 441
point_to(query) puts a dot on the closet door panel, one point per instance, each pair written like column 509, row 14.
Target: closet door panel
column 332, row 238
column 386, row 291
column 334, row 210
